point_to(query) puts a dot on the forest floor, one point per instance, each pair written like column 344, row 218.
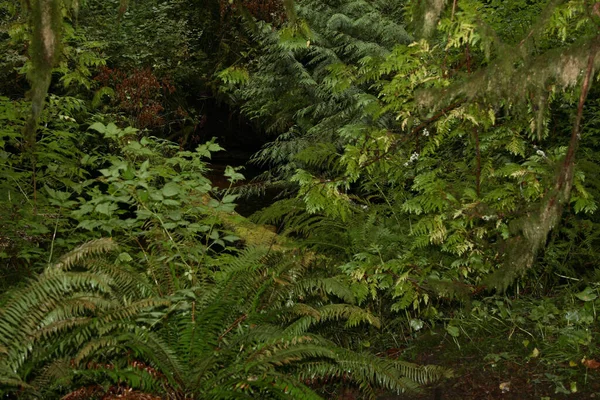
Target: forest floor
column 485, row 371
column 512, row 382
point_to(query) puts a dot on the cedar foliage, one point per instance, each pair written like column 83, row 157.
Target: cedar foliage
column 301, row 88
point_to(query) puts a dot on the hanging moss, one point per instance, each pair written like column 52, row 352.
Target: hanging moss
column 536, row 225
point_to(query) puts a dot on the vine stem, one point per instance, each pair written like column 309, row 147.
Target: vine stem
column 453, row 9
column 566, row 178
column 478, row 156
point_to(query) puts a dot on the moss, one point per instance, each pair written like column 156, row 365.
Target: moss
column 44, row 51
column 253, row 234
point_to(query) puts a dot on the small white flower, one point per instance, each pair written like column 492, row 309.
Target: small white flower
column 414, row 157
column 541, row 153
column 425, row 132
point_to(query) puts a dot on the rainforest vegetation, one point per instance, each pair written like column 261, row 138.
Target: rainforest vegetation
column 307, row 199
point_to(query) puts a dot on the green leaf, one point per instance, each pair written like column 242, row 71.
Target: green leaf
column 453, row 331
column 125, row 257
column 213, row 203
column 112, row 131
column 98, row 127
column 588, row 294
column 416, row 324
column 170, row 189
column 106, row 208
column 88, row 224
column 212, row 147
column 232, row 174
column 144, row 214
column 171, row 202
column 230, row 238
column 230, row 198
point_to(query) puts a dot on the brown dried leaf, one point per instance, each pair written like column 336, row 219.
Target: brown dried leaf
column 591, row 364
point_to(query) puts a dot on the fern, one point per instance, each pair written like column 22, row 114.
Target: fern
column 233, row 335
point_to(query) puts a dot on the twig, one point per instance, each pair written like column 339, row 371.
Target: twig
column 478, row 156
column 235, row 323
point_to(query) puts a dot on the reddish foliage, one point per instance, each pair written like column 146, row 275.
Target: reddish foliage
column 264, row 10
column 138, row 93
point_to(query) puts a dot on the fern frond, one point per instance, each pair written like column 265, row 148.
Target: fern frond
column 129, row 311
column 97, row 246
column 353, row 315
column 331, row 286
column 93, row 346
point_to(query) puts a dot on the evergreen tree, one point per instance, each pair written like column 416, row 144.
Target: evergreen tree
column 301, row 88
